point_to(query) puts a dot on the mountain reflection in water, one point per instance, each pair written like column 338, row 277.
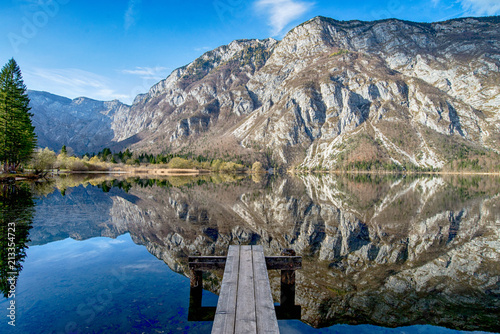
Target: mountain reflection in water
column 388, row 251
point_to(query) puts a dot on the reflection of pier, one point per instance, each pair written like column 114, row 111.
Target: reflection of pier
column 245, row 302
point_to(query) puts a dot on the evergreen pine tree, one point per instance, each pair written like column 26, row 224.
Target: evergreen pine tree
column 17, row 136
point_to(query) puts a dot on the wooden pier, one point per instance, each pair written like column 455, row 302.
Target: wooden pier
column 245, row 302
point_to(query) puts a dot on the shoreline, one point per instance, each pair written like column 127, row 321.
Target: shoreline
column 193, row 172
column 163, row 171
column 393, row 173
column 147, row 171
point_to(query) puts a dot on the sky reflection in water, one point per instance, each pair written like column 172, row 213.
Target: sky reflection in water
column 115, row 286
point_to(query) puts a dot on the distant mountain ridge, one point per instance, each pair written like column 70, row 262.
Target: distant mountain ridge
column 330, row 94
column 83, row 124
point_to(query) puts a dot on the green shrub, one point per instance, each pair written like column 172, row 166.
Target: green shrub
column 216, row 164
column 43, row 160
column 180, row 163
column 257, row 167
column 75, row 164
column 231, row 167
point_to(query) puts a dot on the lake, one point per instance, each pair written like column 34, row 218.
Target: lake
column 381, row 254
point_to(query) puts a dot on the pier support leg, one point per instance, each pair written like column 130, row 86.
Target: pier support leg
column 287, row 308
column 196, row 279
column 287, row 297
column 195, row 291
column 197, row 312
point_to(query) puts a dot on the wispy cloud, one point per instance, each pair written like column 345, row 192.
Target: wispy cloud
column 481, row 7
column 282, row 12
column 154, row 73
column 203, row 48
column 71, row 82
column 131, row 13
column 116, row 241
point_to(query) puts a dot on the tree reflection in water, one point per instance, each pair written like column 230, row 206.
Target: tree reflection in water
column 16, row 218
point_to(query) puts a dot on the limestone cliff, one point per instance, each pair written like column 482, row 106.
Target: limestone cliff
column 330, row 94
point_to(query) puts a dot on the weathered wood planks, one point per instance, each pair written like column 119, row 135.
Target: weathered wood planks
column 266, row 316
column 203, row 263
column 245, row 302
column 225, row 315
column 283, row 262
column 246, row 320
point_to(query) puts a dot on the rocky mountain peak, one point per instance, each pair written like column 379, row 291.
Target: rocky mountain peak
column 324, row 66
column 191, row 99
column 210, row 60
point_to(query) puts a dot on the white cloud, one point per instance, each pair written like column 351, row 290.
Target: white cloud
column 155, row 73
column 282, row 12
column 203, row 48
column 72, row 83
column 116, row 241
column 481, row 7
column 131, row 13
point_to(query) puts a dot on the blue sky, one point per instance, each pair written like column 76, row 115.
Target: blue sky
column 117, row 49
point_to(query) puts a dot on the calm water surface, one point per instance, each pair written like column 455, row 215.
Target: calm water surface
column 380, row 255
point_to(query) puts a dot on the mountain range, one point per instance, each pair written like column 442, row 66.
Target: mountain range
column 329, row 94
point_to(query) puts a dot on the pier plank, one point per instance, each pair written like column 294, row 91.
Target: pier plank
column 246, row 321
column 266, row 316
column 225, row 313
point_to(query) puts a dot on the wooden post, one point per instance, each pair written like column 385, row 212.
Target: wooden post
column 196, row 279
column 196, row 290
column 196, row 312
column 287, row 297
